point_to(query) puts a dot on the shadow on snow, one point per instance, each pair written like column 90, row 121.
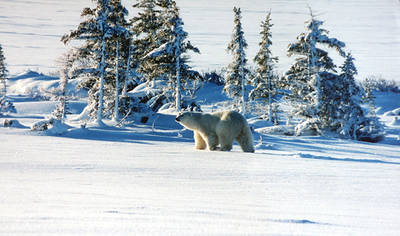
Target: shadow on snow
column 309, row 156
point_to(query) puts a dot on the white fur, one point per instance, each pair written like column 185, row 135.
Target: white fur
column 212, row 129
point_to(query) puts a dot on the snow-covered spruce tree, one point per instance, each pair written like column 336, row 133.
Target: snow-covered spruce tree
column 66, row 64
column 349, row 113
column 356, row 122
column 171, row 55
column 236, row 77
column 119, row 46
column 265, row 88
column 97, row 32
column 369, row 86
column 5, row 104
column 312, row 77
column 145, row 27
column 3, row 73
column 373, row 130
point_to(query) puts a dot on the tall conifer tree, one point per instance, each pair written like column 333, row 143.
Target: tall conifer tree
column 311, row 76
column 97, row 31
column 119, row 46
column 237, row 72
column 353, row 121
column 171, row 55
column 3, row 73
column 145, row 27
column 265, row 61
column 5, row 104
column 66, row 64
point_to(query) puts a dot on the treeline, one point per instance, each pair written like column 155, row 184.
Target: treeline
column 324, row 96
column 118, row 53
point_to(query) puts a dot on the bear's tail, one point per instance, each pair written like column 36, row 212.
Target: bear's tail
column 245, row 139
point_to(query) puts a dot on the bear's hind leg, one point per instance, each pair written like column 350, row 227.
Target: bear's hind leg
column 199, row 141
column 226, row 143
column 245, row 140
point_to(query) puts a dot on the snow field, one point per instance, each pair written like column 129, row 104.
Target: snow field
column 109, row 187
column 143, row 181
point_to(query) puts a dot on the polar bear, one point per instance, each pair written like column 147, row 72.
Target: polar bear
column 211, row 129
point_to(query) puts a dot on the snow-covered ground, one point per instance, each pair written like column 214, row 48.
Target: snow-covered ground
column 146, row 179
column 135, row 182
column 30, row 31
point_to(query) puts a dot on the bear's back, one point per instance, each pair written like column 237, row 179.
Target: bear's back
column 234, row 116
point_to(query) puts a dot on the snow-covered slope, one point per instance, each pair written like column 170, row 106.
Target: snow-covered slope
column 148, row 180
column 34, row 84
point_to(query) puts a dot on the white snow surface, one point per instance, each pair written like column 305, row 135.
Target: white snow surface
column 147, row 179
column 30, row 31
column 134, row 182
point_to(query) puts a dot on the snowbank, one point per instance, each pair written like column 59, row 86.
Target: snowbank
column 38, row 85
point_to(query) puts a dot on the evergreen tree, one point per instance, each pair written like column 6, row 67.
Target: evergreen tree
column 171, row 54
column 368, row 86
column 236, row 72
column 356, row 123
column 119, row 46
column 5, row 104
column 312, row 77
column 98, row 30
column 350, row 114
column 145, row 27
column 66, row 63
column 3, row 73
column 263, row 81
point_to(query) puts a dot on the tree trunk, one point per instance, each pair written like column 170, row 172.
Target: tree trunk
column 116, row 105
column 102, row 78
column 64, row 83
column 269, row 98
column 178, row 84
column 243, row 88
column 127, row 72
column 4, row 87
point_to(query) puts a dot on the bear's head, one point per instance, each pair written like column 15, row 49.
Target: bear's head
column 188, row 119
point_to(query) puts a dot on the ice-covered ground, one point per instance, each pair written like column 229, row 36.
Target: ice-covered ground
column 30, row 31
column 148, row 180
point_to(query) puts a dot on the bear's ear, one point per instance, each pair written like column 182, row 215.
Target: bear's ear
column 178, row 117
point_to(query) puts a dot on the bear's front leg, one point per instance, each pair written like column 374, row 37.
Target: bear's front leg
column 212, row 142
column 199, row 142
